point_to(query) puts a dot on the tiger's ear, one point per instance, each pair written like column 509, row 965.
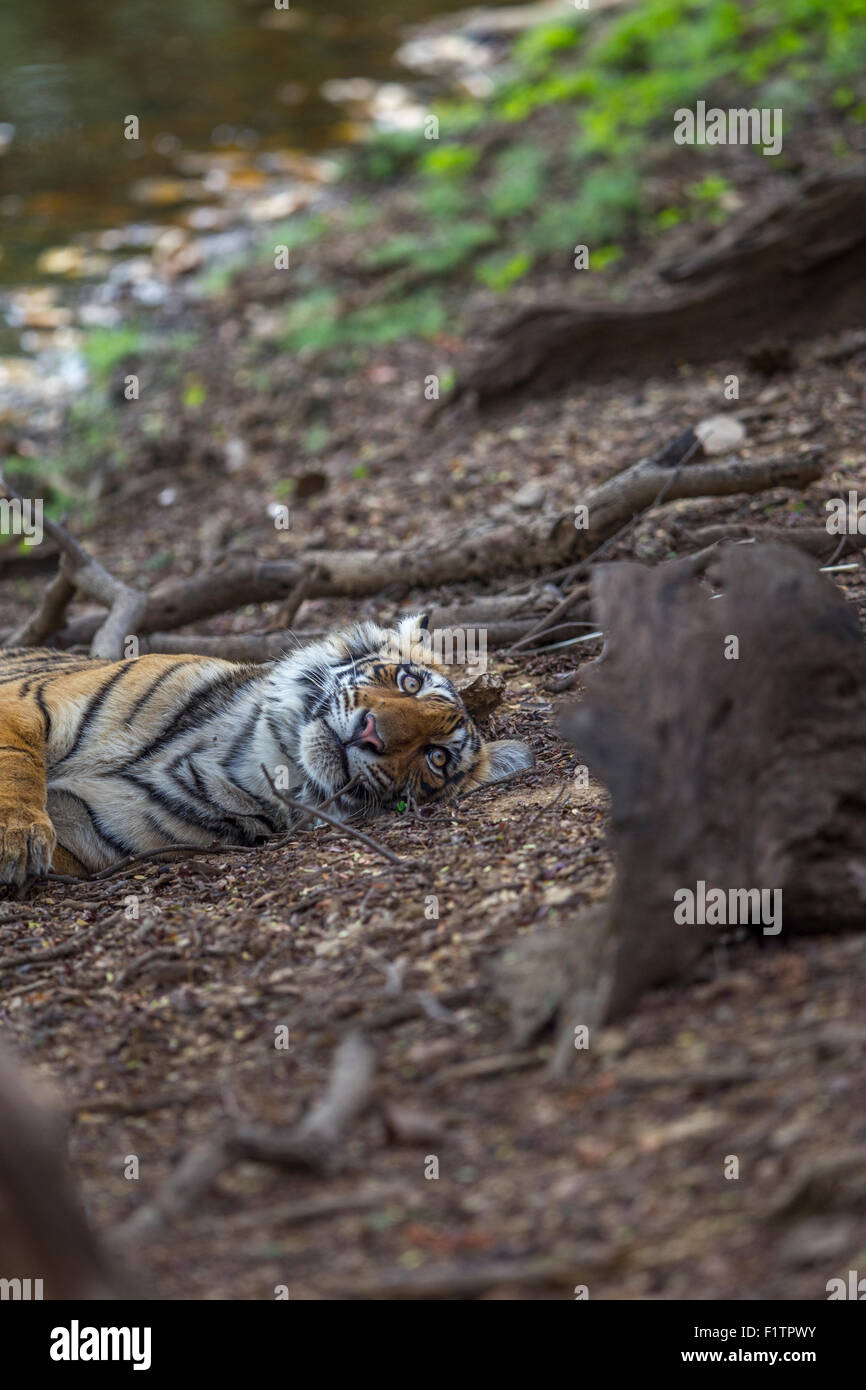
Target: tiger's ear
column 503, row 759
column 424, row 621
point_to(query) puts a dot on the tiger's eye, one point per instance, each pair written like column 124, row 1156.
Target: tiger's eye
column 409, row 684
column 438, row 757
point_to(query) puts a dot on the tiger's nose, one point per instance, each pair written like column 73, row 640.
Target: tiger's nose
column 369, row 736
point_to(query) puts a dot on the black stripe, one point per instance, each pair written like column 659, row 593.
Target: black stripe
column 120, row 847
column 96, row 704
column 266, row 808
column 43, row 709
column 311, row 682
column 154, row 685
column 184, row 764
column 199, row 785
column 277, row 733
column 167, row 800
column 220, row 826
column 56, row 668
column 42, row 668
column 241, row 740
column 208, row 700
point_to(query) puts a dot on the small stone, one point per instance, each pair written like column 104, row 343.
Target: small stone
column 720, row 434
column 530, row 495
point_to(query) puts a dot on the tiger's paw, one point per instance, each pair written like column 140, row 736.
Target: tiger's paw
column 27, row 842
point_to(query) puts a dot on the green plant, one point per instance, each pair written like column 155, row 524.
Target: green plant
column 604, row 256
column 518, row 179
column 416, row 316
column 194, row 393
column 316, row 322
column 43, row 478
column 498, row 272
column 436, row 253
column 539, row 45
column 458, row 117
column 216, row 279
column 104, row 348
column 667, row 218
column 311, row 321
column 386, row 154
column 299, row 231
column 443, row 202
column 449, row 161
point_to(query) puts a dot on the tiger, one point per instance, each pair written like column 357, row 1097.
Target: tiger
column 103, row 761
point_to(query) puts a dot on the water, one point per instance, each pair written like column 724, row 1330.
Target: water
column 201, row 75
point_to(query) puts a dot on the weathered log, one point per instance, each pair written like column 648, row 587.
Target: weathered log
column 542, row 541
column 741, row 770
column 795, row 270
column 731, row 733
column 815, row 540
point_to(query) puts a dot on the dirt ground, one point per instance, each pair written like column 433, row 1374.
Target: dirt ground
column 157, row 1024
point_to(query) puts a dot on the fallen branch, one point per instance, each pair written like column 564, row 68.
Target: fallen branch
column 481, row 1068
column 178, row 853
column 260, row 647
column 670, row 478
column 831, row 1182
column 815, row 540
column 51, row 613
column 313, row 1144
column 292, row 605
column 140, row 1105
column 477, row 553
column 270, row 1219
column 125, row 605
column 317, row 813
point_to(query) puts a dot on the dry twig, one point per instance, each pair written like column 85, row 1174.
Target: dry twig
column 313, row 1144
column 314, row 812
column 78, row 569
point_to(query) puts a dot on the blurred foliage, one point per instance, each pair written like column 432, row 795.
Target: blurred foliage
column 316, row 321
column 105, row 348
column 573, row 146
column 46, row 479
column 622, row 81
column 436, row 253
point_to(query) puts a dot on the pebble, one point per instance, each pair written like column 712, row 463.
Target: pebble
column 531, row 494
column 720, row 434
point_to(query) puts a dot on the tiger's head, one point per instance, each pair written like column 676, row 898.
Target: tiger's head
column 376, row 707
